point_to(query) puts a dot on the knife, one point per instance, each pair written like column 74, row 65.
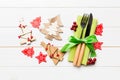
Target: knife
column 89, row 25
column 83, row 44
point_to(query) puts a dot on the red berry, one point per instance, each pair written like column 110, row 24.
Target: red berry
column 52, row 55
column 70, row 28
column 74, row 22
column 58, row 55
column 46, row 49
column 74, row 28
column 92, row 62
column 48, row 43
column 88, row 63
column 24, row 26
column 28, row 39
column 20, row 26
column 31, row 37
column 75, row 25
column 94, row 59
column 90, row 59
column 19, row 36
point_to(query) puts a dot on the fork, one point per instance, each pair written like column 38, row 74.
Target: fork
column 83, row 24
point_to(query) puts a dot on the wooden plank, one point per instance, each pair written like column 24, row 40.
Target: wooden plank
column 9, row 37
column 12, row 57
column 61, row 3
column 15, row 66
column 108, row 16
column 58, row 73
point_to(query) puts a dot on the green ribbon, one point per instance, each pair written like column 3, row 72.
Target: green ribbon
column 73, row 41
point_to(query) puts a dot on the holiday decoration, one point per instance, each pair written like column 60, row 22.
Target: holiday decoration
column 52, row 28
column 26, row 36
column 97, row 45
column 53, row 52
column 99, row 29
column 83, row 43
column 36, row 22
column 82, row 46
column 41, row 57
column 28, row 52
column 74, row 26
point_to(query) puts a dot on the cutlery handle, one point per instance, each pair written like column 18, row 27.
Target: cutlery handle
column 81, row 55
column 76, row 54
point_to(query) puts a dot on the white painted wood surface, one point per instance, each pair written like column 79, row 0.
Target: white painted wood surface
column 15, row 66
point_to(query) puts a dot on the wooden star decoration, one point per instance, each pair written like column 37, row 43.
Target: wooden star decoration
column 41, row 57
column 52, row 28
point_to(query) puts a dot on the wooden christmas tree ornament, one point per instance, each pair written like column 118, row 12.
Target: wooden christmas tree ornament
column 53, row 52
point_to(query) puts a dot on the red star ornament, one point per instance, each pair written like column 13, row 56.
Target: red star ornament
column 99, row 29
column 28, row 52
column 41, row 57
column 36, row 22
column 98, row 45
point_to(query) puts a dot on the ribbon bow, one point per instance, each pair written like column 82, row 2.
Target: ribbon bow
column 75, row 41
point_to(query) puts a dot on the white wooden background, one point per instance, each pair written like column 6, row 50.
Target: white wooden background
column 15, row 66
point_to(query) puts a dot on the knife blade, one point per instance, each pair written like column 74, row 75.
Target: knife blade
column 89, row 25
column 83, row 44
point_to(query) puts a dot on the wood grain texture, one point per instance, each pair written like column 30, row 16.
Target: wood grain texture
column 62, row 4
column 9, row 37
column 15, row 66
